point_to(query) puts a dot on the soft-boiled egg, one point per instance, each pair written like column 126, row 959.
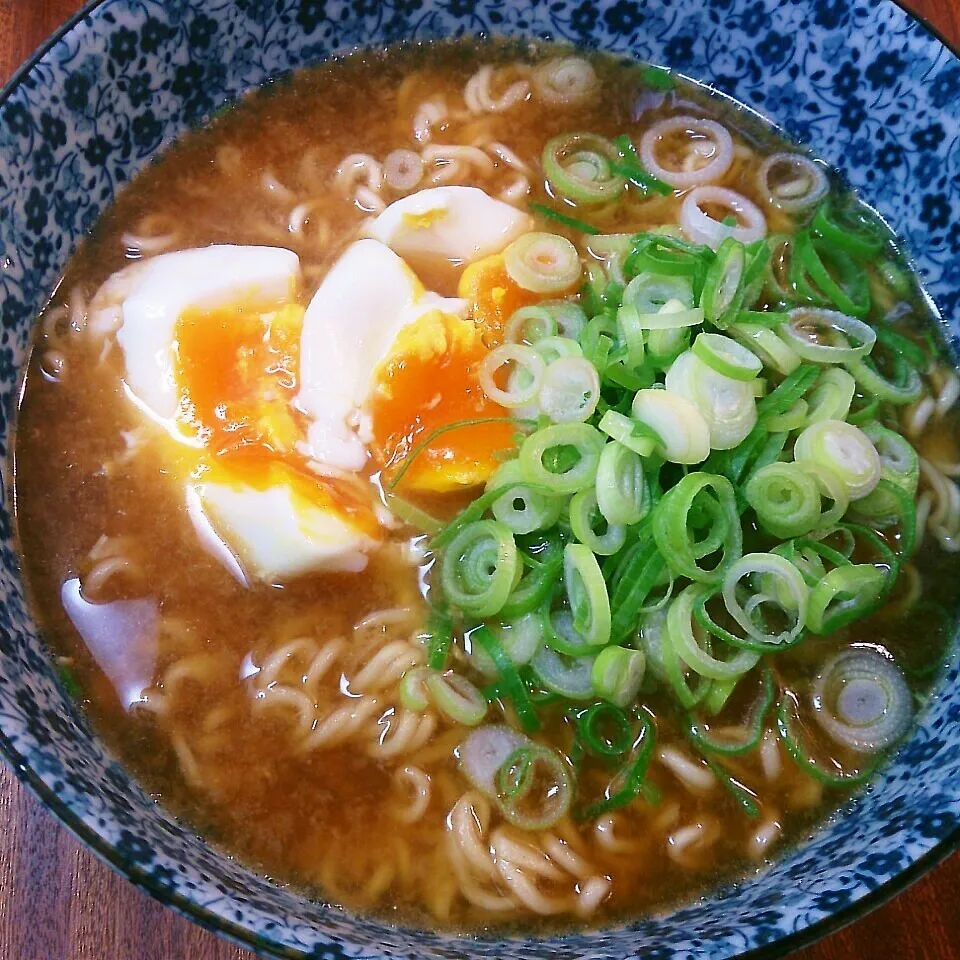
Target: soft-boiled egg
column 207, row 279
column 385, row 363
column 278, row 521
column 429, row 382
column 274, row 410
column 456, row 224
column 211, row 342
column 493, row 296
column 365, row 300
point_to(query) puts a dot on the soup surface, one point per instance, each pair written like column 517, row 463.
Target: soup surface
column 713, row 600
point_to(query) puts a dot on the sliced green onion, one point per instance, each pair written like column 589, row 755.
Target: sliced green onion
column 728, row 406
column 570, row 317
column 833, row 775
column 631, row 333
column 790, row 420
column 642, row 439
column 630, row 167
column 664, row 346
column 831, row 396
column 845, row 450
column 476, row 510
column 770, row 348
column 785, row 499
column 597, row 340
column 719, row 693
column 485, row 751
column 763, row 318
column 563, row 218
column 832, row 488
column 904, row 387
column 521, row 508
column 672, row 317
column 857, row 234
column 529, row 325
column 560, row 634
column 410, row 513
column 534, row 587
column 658, row 78
column 514, row 777
column 898, row 459
column 912, row 352
column 605, row 730
column 479, row 568
column 618, row 674
column 570, row 390
column 676, row 524
column 543, row 262
column 843, row 595
column 639, row 572
column 665, row 255
column 727, row 357
column 630, row 781
column 555, row 348
column 782, row 585
column 862, row 701
column 543, row 796
column 749, row 736
column 437, row 636
column 683, row 637
column 586, row 517
column 677, row 421
column 689, row 686
column 562, row 457
column 413, row 689
column 586, row 593
column 785, row 396
column 827, row 336
column 649, row 292
column 524, row 382
column 745, row 797
column 534, row 788
column 621, row 486
column 798, row 182
column 580, row 166
column 456, row 698
column 723, row 285
column 825, row 276
column 899, row 466
column 511, row 684
column 904, row 510
column 570, row 677
column 865, row 411
column 520, row 638
column 776, row 274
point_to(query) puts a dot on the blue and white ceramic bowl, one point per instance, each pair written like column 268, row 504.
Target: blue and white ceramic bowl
column 871, row 88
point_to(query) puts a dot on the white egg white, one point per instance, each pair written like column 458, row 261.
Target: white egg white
column 456, row 224
column 368, row 296
column 166, row 286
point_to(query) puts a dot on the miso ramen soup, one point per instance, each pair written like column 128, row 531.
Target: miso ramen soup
column 493, row 485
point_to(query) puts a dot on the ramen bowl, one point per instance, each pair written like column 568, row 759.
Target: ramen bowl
column 871, row 89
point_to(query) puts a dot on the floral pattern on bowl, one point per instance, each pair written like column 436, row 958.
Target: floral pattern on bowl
column 864, row 83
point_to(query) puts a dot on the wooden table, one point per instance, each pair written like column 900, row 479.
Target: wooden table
column 57, row 902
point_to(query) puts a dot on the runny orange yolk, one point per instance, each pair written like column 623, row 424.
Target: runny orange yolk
column 493, row 296
column 428, row 381
column 236, row 371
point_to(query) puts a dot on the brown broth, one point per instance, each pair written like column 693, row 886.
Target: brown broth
column 326, row 821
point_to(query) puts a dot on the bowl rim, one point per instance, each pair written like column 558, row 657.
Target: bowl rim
column 243, row 936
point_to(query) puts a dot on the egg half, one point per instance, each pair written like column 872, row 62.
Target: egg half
column 273, row 411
